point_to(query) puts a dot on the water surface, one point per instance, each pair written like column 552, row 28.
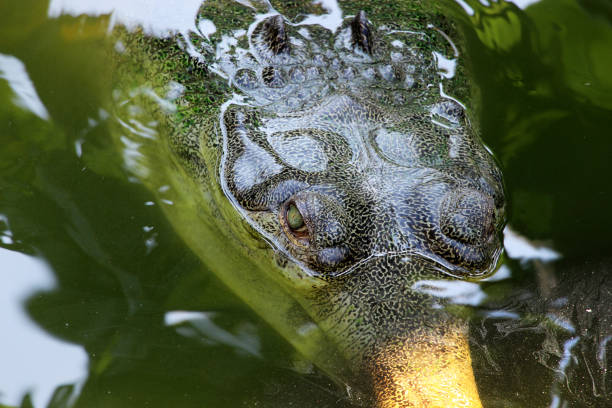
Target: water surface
column 103, row 305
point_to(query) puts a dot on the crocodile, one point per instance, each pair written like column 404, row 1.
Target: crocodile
column 335, row 185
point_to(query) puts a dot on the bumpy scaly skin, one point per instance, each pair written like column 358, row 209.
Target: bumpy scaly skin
column 362, row 143
column 394, row 188
column 393, row 185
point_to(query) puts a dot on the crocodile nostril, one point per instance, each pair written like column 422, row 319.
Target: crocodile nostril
column 468, row 216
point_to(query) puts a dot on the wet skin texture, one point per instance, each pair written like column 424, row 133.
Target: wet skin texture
column 343, row 152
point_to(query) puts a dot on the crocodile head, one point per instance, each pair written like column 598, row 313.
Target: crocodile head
column 344, row 152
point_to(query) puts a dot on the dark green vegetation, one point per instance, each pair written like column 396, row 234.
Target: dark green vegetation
column 82, row 215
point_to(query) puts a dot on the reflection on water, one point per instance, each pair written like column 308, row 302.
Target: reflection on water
column 470, row 10
column 471, row 293
column 332, row 20
column 457, row 292
column 201, row 326
column 13, row 71
column 32, row 361
column 159, row 18
column 148, row 325
column 518, row 247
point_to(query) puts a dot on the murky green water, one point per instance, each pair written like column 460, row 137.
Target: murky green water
column 97, row 292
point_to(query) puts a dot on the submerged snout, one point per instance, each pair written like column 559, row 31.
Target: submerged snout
column 422, row 354
column 411, row 348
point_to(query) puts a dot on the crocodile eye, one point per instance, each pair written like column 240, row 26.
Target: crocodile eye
column 294, row 218
column 294, row 225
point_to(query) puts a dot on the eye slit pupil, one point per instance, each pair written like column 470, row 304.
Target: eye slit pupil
column 295, row 221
